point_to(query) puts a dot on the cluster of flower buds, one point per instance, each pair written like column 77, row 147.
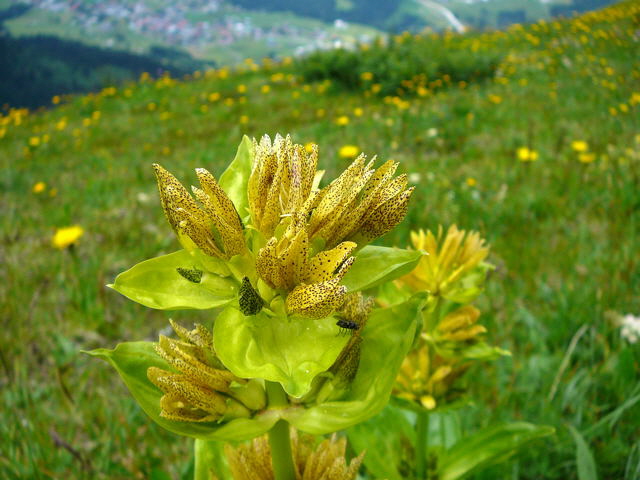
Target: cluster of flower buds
column 428, row 379
column 327, row 461
column 213, row 226
column 200, row 388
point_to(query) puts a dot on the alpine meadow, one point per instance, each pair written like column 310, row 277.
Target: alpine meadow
column 528, row 136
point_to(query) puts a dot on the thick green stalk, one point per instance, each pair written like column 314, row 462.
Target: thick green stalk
column 279, row 439
column 209, row 457
column 422, row 444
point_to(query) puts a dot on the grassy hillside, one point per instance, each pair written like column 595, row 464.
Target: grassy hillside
column 540, row 155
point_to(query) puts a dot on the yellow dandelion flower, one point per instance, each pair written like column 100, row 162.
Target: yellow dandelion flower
column 34, row 141
column 348, row 151
column 525, row 154
column 579, row 146
column 586, row 157
column 366, row 76
column 241, row 88
column 495, row 99
column 39, row 187
column 265, row 89
column 471, row 182
column 56, row 99
column 67, row 236
column 342, row 120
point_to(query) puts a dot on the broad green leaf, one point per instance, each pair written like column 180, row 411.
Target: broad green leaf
column 489, row 446
column 375, row 265
column 132, row 359
column 291, row 351
column 235, row 178
column 155, row 283
column 385, row 341
column 584, row 458
column 387, row 438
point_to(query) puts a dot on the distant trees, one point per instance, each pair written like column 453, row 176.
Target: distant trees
column 33, row 69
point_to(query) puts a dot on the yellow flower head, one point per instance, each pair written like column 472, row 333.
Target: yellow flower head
column 199, row 388
column 302, row 237
column 39, row 187
column 213, row 226
column 348, row 151
column 449, row 259
column 525, row 154
column 579, row 146
column 65, row 237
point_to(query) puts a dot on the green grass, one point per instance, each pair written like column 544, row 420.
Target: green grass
column 563, row 235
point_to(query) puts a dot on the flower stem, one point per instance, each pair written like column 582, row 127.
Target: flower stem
column 209, row 458
column 279, row 439
column 422, row 444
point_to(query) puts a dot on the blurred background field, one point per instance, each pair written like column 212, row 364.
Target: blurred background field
column 529, row 135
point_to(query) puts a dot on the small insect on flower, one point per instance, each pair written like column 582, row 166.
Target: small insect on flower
column 346, row 325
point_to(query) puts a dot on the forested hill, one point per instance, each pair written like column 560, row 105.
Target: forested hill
column 33, row 69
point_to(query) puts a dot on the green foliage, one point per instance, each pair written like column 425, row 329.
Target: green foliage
column 403, row 65
column 157, row 283
column 563, row 235
column 494, row 444
column 289, row 351
column 376, row 265
column 584, row 457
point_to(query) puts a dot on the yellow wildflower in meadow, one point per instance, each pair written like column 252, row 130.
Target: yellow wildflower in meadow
column 342, row 120
column 579, row 146
column 586, row 157
column 525, row 154
column 348, row 151
column 67, row 236
column 39, row 187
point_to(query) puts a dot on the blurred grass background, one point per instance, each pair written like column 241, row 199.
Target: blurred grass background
column 530, row 136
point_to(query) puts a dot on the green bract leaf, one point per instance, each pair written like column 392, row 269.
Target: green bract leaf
column 385, row 341
column 156, row 283
column 291, row 351
column 235, row 178
column 489, row 446
column 483, row 351
column 375, row 265
column 132, row 360
column 387, row 438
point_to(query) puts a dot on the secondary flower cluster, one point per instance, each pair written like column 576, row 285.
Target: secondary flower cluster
column 453, row 274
